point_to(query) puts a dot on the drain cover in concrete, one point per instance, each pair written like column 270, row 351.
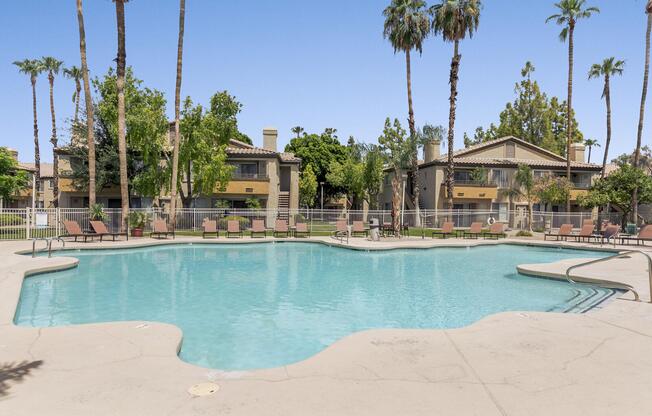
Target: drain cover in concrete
column 203, row 389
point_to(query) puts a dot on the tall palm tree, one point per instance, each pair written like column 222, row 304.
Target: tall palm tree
column 120, row 88
column 570, row 11
column 646, row 73
column 88, row 100
column 407, row 25
column 607, row 69
column 454, row 20
column 33, row 68
column 52, row 66
column 74, row 73
column 590, row 143
column 177, row 105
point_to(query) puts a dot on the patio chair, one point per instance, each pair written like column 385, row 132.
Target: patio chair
column 258, row 227
column 447, row 229
column 644, row 234
column 233, row 228
column 281, row 227
column 74, row 230
column 588, row 222
column 497, row 230
column 160, row 229
column 100, row 229
column 474, row 231
column 302, row 230
column 563, row 233
column 359, row 228
column 586, row 233
column 210, row 228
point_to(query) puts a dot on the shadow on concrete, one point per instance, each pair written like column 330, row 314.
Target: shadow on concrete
column 15, row 372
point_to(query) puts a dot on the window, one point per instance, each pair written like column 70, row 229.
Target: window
column 500, row 178
column 501, row 210
column 246, row 170
column 510, row 150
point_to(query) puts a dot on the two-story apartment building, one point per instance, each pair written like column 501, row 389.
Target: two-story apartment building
column 498, row 160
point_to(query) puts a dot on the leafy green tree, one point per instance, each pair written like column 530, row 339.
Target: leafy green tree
column 308, row 187
column 524, row 188
column 607, row 69
column 398, row 153
column 12, row 179
column 373, row 173
column 618, row 188
column 253, row 203
column 645, row 159
column 347, row 176
column 454, row 20
column 318, row 151
column 52, row 66
column 591, row 143
column 553, row 190
column 570, row 11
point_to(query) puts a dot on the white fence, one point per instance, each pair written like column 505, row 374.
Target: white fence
column 25, row 223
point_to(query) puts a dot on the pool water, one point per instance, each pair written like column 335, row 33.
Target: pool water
column 248, row 306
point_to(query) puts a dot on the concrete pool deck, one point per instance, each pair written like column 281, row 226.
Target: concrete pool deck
column 598, row 363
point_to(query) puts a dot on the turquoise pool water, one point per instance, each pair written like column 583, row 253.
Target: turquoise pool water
column 259, row 306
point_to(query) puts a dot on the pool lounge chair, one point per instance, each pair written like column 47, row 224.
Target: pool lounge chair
column 497, row 230
column 448, row 229
column 100, row 229
column 474, row 231
column 301, row 230
column 209, row 228
column 281, row 227
column 160, row 229
column 586, row 234
column 74, row 230
column 257, row 228
column 359, row 228
column 563, row 233
column 644, row 234
column 233, row 228
column 341, row 226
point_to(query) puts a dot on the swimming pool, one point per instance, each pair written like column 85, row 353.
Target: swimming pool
column 249, row 306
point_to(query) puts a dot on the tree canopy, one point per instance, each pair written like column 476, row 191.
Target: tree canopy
column 12, row 179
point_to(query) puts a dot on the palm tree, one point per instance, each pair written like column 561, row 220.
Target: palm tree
column 646, row 73
column 590, row 143
column 298, row 130
column 177, row 105
column 74, row 73
column 120, row 88
column 33, row 68
column 88, row 100
column 454, row 20
column 608, row 68
column 407, row 25
column 53, row 66
column 570, row 11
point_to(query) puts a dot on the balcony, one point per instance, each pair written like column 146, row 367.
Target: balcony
column 474, row 189
column 249, row 176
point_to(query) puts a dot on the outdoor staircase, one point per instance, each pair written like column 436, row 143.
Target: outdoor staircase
column 284, row 205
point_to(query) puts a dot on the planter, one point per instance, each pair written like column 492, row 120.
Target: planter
column 136, row 232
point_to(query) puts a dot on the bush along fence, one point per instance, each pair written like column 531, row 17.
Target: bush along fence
column 27, row 223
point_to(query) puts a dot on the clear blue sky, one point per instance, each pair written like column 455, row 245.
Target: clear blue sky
column 322, row 63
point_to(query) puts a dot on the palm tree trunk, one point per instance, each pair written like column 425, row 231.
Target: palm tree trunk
column 607, row 98
column 454, row 73
column 177, row 105
column 413, row 134
column 590, row 148
column 88, row 100
column 120, row 84
column 77, row 100
column 569, row 115
column 637, row 153
column 37, row 153
column 396, row 202
column 54, row 141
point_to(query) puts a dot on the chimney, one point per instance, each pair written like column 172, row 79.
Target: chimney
column 431, row 151
column 577, row 152
column 13, row 153
column 270, row 134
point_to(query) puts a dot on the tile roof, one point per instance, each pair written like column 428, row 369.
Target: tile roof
column 238, row 148
column 47, row 169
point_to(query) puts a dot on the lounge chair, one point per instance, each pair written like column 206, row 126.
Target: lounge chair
column 302, row 229
column 474, row 231
column 586, row 233
column 563, row 233
column 587, row 222
column 497, row 230
column 100, row 229
column 358, row 228
column 258, row 227
column 160, row 229
column 74, row 230
column 644, row 234
column 281, row 227
column 447, row 229
column 341, row 226
column 233, row 228
column 210, row 228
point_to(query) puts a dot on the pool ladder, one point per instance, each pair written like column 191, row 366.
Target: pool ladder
column 622, row 254
column 48, row 244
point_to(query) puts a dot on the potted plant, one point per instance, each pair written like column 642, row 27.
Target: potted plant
column 96, row 213
column 137, row 221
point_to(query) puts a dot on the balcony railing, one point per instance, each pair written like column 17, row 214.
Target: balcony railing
column 249, row 176
column 488, row 183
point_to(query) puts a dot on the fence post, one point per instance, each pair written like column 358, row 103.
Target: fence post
column 27, row 222
column 56, row 219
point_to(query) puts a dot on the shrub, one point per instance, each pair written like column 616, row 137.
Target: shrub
column 11, row 219
column 138, row 219
column 96, row 212
column 524, row 233
column 244, row 222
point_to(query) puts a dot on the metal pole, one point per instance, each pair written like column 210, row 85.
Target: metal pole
column 402, row 208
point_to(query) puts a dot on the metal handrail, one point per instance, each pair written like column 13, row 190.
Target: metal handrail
column 34, row 240
column 50, row 244
column 339, row 235
column 619, row 255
